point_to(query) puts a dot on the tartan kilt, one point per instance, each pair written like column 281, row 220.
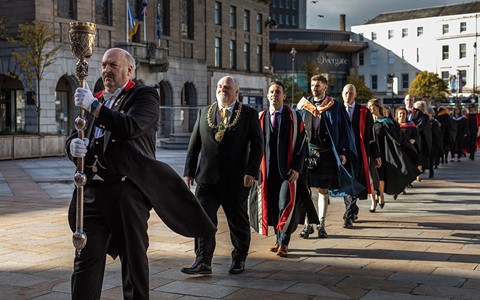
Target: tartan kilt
column 325, row 174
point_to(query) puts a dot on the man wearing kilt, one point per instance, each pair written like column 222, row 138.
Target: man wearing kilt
column 330, row 137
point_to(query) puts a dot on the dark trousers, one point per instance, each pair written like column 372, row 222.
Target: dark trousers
column 277, row 201
column 115, row 222
column 351, row 207
column 233, row 199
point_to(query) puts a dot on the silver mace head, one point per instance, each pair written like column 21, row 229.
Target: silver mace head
column 79, row 240
column 82, row 43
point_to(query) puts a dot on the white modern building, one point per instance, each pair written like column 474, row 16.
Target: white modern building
column 439, row 39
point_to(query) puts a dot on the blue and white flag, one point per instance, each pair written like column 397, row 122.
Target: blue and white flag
column 159, row 22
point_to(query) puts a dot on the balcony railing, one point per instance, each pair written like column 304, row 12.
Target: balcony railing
column 147, row 54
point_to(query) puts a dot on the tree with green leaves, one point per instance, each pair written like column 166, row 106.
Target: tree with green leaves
column 363, row 92
column 428, row 84
column 34, row 54
column 287, row 81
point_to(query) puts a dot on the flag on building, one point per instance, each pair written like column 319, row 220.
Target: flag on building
column 132, row 22
column 143, row 14
column 159, row 23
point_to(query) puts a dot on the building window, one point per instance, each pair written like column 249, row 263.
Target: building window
column 218, row 52
column 294, row 20
column 360, row 37
column 246, row 56
column 390, row 34
column 445, row 28
column 233, row 17
column 218, row 13
column 67, row 9
column 373, row 58
column 391, row 57
column 259, row 23
column 233, row 55
column 103, row 12
column 446, row 76
column 165, row 16
column 463, row 26
column 287, row 20
column 462, row 50
column 374, row 82
column 260, row 58
column 361, row 59
column 444, row 52
column 418, row 54
column 404, row 32
column 186, row 19
column 462, row 80
column 419, row 31
column 405, row 81
column 246, row 20
column 374, row 36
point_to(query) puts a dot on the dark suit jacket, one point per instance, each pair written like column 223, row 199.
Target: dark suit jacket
column 228, row 161
column 283, row 140
column 129, row 150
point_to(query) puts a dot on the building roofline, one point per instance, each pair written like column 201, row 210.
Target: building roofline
column 428, row 12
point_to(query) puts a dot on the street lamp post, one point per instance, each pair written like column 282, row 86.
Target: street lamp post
column 293, row 53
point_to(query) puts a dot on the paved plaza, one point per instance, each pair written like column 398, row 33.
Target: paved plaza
column 424, row 245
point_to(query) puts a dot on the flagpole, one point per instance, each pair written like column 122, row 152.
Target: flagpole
column 159, row 28
column 145, row 24
column 127, row 20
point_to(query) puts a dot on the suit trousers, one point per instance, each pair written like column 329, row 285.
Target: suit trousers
column 351, row 207
column 233, row 199
column 115, row 222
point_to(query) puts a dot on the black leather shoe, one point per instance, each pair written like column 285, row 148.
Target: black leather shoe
column 322, row 233
column 197, row 268
column 237, row 267
column 348, row 224
column 307, row 230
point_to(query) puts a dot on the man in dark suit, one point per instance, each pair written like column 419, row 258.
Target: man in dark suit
column 414, row 114
column 282, row 163
column 124, row 181
column 228, row 140
column 367, row 150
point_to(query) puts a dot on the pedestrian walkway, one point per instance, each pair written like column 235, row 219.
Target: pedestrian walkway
column 424, row 245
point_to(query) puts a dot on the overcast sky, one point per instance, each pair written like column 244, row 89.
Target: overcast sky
column 360, row 11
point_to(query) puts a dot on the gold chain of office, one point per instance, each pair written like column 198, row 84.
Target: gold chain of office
column 222, row 127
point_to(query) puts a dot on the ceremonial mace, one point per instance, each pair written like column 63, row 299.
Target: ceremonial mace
column 82, row 42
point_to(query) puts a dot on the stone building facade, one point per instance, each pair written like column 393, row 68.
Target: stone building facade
column 182, row 60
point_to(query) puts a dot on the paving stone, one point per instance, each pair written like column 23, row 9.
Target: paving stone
column 450, row 292
column 256, row 283
column 197, row 289
column 473, row 274
column 266, row 295
column 428, row 279
column 382, row 295
column 315, row 290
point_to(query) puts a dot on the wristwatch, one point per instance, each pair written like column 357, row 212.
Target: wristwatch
column 95, row 105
